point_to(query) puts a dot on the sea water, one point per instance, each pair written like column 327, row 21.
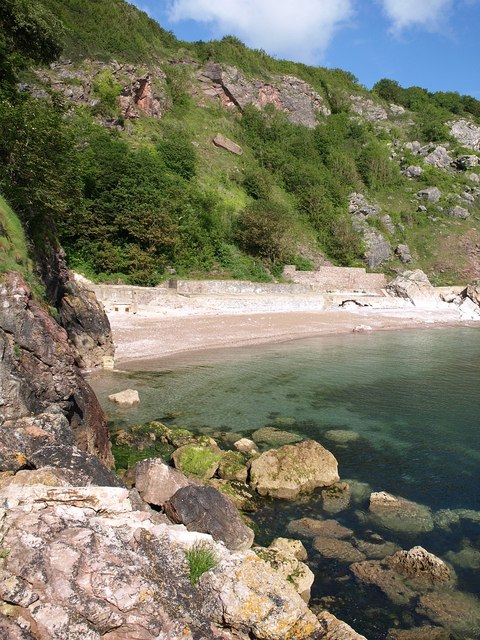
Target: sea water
column 413, row 398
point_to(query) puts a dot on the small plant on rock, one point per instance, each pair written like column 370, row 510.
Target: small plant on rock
column 201, row 558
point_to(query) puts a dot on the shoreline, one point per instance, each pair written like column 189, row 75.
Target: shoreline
column 148, row 338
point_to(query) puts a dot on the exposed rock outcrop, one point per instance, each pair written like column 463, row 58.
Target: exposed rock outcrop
column 377, row 248
column 467, row 133
column 286, row 93
column 414, row 286
column 368, row 109
column 38, row 374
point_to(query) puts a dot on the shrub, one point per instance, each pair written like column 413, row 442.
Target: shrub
column 201, row 558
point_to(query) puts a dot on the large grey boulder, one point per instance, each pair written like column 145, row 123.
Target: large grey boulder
column 126, row 398
column 206, row 510
column 413, row 171
column 432, row 194
column 156, row 481
column 414, row 286
column 293, row 469
column 438, row 158
column 378, row 249
column 462, row 163
column 459, row 212
column 403, row 252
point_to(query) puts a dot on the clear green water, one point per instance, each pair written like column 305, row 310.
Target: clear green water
column 413, row 396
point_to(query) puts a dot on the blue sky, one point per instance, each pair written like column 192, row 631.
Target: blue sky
column 428, row 43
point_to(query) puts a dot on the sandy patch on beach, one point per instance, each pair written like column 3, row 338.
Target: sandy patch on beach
column 142, row 337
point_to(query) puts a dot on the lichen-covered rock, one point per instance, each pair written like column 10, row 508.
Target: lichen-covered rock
column 126, row 398
column 335, row 629
column 399, row 514
column 275, row 437
column 293, row 469
column 206, row 510
column 285, row 556
column 156, row 481
column 251, row 595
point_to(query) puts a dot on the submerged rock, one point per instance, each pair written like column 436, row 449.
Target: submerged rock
column 340, row 550
column 293, row 469
column 426, row 632
column 310, row 528
column 126, row 398
column 275, row 437
column 336, row 498
column 206, row 510
column 456, row 611
column 399, row 514
column 342, row 436
column 405, row 574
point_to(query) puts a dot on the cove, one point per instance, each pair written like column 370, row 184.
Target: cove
column 413, row 398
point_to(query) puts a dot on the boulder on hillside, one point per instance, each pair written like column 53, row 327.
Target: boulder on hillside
column 378, row 249
column 432, row 194
column 228, row 145
column 467, row 133
column 413, row 171
column 403, row 252
column 293, row 469
column 458, row 212
column 462, row 163
column 126, row 398
column 156, row 481
column 206, row 510
column 438, row 158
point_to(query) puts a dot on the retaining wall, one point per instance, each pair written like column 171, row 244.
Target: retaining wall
column 338, row 279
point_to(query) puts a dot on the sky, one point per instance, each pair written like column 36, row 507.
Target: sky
column 428, row 43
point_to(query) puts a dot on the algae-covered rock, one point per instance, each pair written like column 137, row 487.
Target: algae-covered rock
column 232, row 466
column 426, row 632
column 399, row 514
column 340, row 550
column 275, row 437
column 197, row 461
column 293, row 469
column 240, row 494
column 342, row 436
column 336, row 498
column 249, row 595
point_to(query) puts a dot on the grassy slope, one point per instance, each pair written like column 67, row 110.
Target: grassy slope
column 13, row 246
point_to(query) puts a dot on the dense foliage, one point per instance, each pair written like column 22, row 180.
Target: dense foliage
column 134, row 203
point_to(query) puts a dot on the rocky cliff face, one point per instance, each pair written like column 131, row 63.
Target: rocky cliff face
column 39, row 375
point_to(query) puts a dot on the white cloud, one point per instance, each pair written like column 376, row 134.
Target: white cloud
column 427, row 14
column 296, row 29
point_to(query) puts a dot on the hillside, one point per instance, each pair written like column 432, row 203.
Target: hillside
column 307, row 167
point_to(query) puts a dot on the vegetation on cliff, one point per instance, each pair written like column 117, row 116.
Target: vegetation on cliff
column 134, row 198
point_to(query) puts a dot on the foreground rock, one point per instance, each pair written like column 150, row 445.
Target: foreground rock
column 206, row 510
column 81, row 564
column 398, row 514
column 293, row 469
column 39, row 375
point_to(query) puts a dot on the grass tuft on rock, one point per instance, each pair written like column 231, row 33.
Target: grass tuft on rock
column 201, row 558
